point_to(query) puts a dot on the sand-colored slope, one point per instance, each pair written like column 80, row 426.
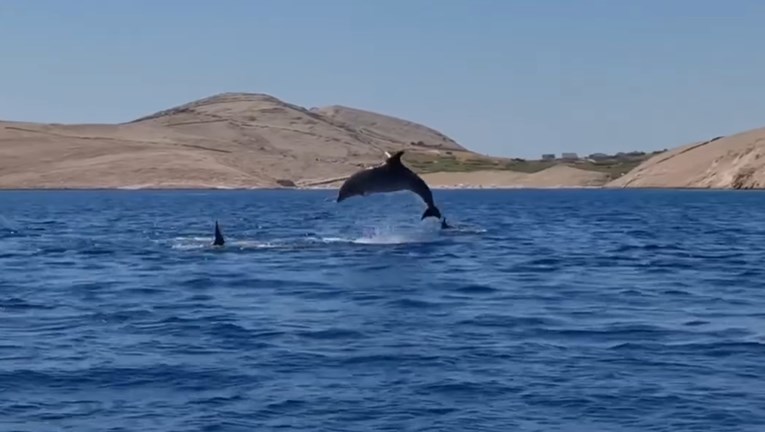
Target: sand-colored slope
column 245, row 140
column 388, row 129
column 735, row 162
column 227, row 140
column 84, row 156
column 554, row 177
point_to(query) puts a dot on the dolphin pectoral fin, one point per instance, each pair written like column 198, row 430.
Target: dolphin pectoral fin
column 431, row 211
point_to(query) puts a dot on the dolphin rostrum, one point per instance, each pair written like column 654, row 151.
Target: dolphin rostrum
column 219, row 241
column 390, row 176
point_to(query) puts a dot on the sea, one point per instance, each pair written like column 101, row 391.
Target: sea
column 539, row 310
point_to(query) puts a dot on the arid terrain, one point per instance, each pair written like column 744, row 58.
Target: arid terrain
column 247, row 140
column 733, row 162
column 250, row 140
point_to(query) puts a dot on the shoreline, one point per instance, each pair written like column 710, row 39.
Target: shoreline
column 335, row 188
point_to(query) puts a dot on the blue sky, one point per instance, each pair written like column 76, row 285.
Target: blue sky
column 502, row 77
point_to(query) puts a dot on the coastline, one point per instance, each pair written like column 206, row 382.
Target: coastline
column 334, row 188
column 155, row 152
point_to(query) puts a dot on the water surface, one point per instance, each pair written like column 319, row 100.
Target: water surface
column 554, row 310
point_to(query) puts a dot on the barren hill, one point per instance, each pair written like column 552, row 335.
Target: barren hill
column 250, row 140
column 559, row 176
column 227, row 140
column 733, row 162
column 387, row 128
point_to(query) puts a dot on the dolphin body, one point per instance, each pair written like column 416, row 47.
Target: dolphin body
column 391, row 176
column 219, row 240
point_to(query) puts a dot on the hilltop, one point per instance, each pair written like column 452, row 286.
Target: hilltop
column 237, row 140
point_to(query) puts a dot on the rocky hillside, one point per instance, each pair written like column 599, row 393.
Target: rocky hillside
column 732, row 162
column 388, row 129
column 227, row 140
column 250, row 140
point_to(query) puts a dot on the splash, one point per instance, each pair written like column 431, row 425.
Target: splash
column 392, row 238
column 389, row 235
column 385, row 234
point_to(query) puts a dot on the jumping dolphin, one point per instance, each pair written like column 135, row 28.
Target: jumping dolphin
column 390, row 176
column 219, row 241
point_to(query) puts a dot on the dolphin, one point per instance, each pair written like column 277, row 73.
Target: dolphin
column 389, row 176
column 219, row 240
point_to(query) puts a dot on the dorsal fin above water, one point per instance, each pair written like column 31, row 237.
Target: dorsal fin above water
column 219, row 241
column 395, row 158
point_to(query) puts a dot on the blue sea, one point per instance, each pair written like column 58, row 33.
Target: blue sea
column 541, row 310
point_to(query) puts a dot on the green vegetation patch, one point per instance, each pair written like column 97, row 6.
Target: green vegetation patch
column 424, row 163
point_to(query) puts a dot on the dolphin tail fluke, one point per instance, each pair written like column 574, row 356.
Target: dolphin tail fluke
column 431, row 211
column 219, row 241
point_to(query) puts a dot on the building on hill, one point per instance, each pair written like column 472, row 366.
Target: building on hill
column 599, row 156
column 548, row 156
column 569, row 156
column 630, row 156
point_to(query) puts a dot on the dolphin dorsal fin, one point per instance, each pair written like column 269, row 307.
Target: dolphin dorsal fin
column 395, row 158
column 219, row 240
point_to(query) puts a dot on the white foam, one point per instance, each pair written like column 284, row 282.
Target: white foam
column 193, row 239
column 335, row 240
column 187, row 246
column 246, row 244
column 391, row 238
column 190, row 243
column 391, row 235
column 385, row 234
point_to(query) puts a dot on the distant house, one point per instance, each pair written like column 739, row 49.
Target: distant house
column 599, row 156
column 630, row 155
column 569, row 156
column 548, row 156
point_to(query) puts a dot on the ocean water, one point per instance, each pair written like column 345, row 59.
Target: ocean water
column 552, row 310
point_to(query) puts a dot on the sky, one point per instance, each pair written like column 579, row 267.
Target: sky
column 501, row 77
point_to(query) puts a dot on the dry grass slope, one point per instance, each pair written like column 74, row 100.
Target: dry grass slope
column 228, row 140
column 250, row 140
column 733, row 162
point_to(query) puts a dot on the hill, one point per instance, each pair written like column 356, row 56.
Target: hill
column 388, row 129
column 230, row 140
column 227, row 140
column 558, row 176
column 733, row 162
